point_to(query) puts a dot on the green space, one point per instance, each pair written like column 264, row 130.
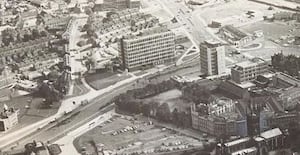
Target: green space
column 104, row 79
column 32, row 109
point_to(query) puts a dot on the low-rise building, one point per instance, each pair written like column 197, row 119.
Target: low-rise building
column 260, row 144
column 282, row 80
column 8, row 118
column 248, row 70
column 234, row 36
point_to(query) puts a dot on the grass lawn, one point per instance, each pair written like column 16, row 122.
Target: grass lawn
column 103, row 80
column 35, row 113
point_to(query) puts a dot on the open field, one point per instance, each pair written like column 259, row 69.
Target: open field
column 105, row 79
column 234, row 12
column 273, row 42
column 36, row 111
column 124, row 134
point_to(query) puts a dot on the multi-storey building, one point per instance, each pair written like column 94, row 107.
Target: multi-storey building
column 248, row 70
column 212, row 58
column 219, row 118
column 147, row 48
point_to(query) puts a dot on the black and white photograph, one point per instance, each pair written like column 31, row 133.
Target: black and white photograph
column 149, row 77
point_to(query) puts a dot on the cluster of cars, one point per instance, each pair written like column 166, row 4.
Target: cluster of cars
column 125, row 129
column 178, row 145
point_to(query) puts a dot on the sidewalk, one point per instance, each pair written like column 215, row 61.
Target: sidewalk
column 66, row 105
column 66, row 142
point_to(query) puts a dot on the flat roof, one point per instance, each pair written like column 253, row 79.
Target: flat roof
column 155, row 30
column 245, row 151
column 247, row 84
column 250, row 63
column 238, row 141
column 211, row 43
column 287, row 78
column 238, row 34
column 271, row 133
column 259, row 139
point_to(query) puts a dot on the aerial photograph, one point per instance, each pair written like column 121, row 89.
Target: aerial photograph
column 149, row 77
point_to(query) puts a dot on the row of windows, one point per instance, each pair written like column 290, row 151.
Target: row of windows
column 161, row 41
column 150, row 46
column 148, row 61
column 141, row 59
column 149, row 55
column 148, row 51
column 153, row 37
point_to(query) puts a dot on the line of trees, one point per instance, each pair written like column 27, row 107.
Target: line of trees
column 196, row 93
column 289, row 64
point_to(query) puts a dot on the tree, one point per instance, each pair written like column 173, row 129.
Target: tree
column 88, row 11
column 35, row 34
column 164, row 113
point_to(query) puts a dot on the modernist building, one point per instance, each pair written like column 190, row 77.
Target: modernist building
column 248, row 70
column 8, row 119
column 212, row 58
column 234, row 36
column 148, row 48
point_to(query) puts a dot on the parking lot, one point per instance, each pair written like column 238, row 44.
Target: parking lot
column 125, row 135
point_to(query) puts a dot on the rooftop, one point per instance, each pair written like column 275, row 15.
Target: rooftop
column 238, row 34
column 238, row 141
column 6, row 113
column 287, row 78
column 245, row 151
column 211, row 43
column 148, row 32
column 271, row 133
column 249, row 63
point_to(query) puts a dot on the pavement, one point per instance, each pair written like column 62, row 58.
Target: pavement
column 66, row 143
column 67, row 105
